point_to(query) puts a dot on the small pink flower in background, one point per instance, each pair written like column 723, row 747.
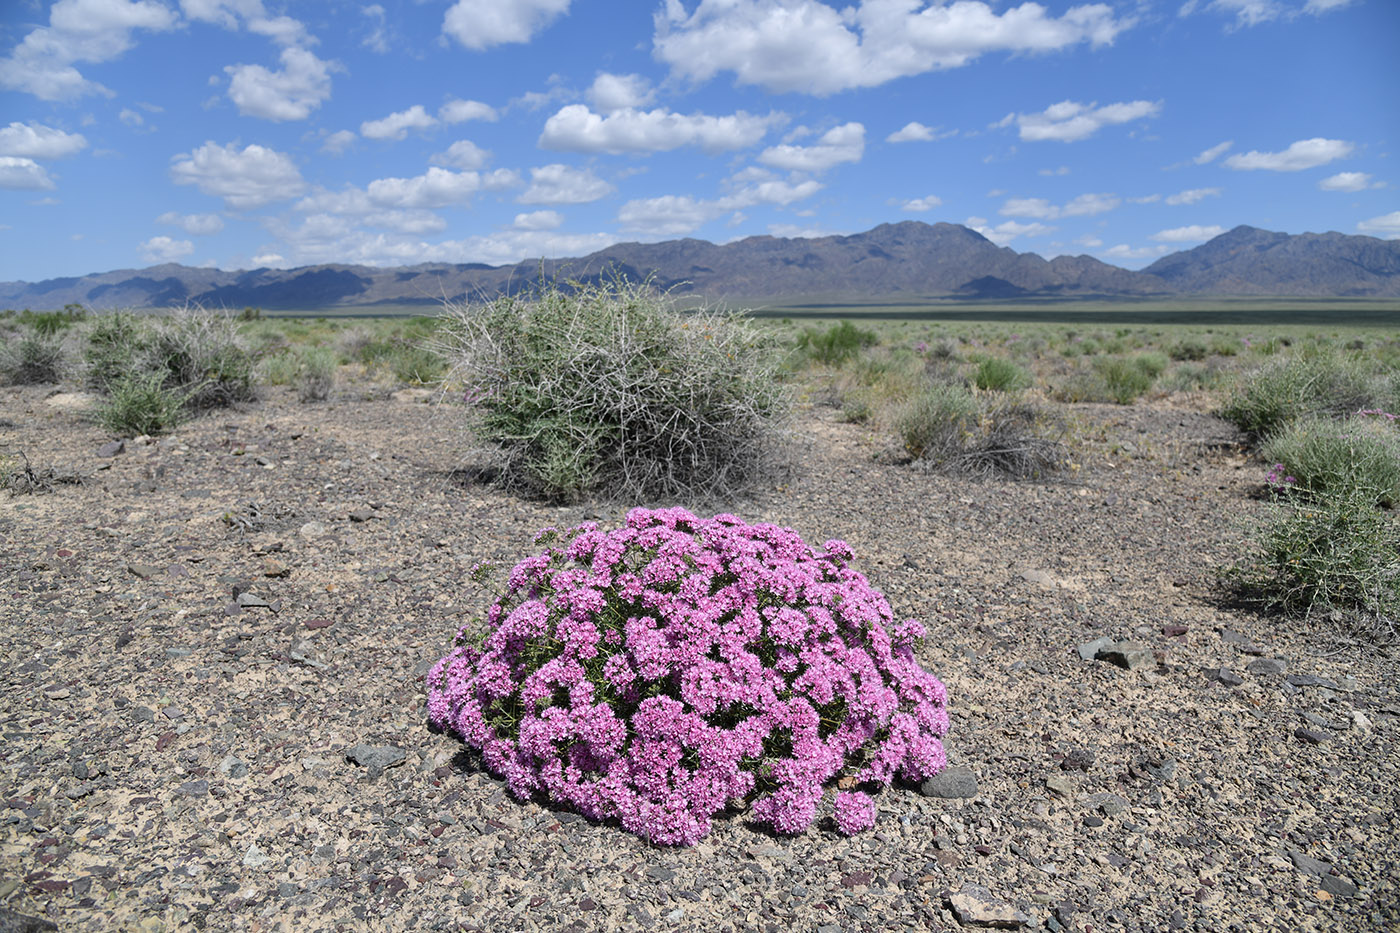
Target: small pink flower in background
column 855, row 812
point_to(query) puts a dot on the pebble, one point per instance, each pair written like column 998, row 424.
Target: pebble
column 951, row 783
column 1089, row 651
column 1129, row 655
column 1311, row 736
column 233, row 767
column 313, row 530
column 11, row 922
column 974, row 904
column 144, row 571
column 198, row 788
column 375, row 758
column 111, row 449
column 1224, row 676
column 1059, row 784
column 255, row 857
column 1266, row 666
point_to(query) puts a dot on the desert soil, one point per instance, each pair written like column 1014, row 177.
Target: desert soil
column 195, row 636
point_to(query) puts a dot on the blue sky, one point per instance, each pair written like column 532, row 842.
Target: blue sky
column 247, row 133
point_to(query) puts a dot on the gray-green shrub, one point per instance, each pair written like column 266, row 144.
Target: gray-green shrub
column 837, row 343
column 1323, row 454
column 1320, row 382
column 935, row 424
column 35, row 358
column 315, row 373
column 1001, row 375
column 141, row 403
column 608, row 389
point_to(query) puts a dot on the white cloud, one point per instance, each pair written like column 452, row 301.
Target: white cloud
column 194, row 224
column 330, row 214
column 1304, row 154
column 919, row 205
column 397, row 125
column 1070, row 121
column 1195, row 233
column 1088, row 240
column 460, row 111
column 1052, row 172
column 677, row 215
column 480, row 24
column 78, row 31
column 845, row 143
column 576, row 128
column 436, row 187
column 244, row 179
column 562, row 184
column 1386, row 226
column 809, row 47
column 538, row 220
column 1086, row 205
column 23, row 174
column 378, row 39
column 1003, row 233
column 463, row 154
column 1124, row 251
column 131, row 118
column 280, row 29
column 612, row 92
column 290, row 94
column 1192, row 195
column 338, row 142
column 164, row 249
column 1347, row 181
column 1248, row 13
column 1318, row 7
column 914, row 131
column 1213, row 153
column 36, row 141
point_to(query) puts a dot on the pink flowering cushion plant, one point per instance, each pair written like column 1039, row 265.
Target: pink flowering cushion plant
column 663, row 672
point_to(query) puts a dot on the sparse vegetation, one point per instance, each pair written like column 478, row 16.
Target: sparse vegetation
column 1325, row 455
column 608, row 390
column 32, row 358
column 141, row 403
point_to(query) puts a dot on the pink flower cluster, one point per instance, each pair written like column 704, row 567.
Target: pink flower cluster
column 666, row 671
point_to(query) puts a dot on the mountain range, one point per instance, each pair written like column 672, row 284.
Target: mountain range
column 905, row 261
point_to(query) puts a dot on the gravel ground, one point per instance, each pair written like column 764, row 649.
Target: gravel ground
column 213, row 711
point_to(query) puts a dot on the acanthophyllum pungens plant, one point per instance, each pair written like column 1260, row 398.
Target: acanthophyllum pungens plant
column 669, row 670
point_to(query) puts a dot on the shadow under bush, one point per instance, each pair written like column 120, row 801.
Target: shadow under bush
column 607, row 389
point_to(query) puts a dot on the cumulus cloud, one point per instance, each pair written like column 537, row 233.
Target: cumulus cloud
column 575, row 128
column 620, row 92
column 338, row 142
column 436, row 187
column 810, row 47
column 480, row 24
column 78, row 31
column 301, row 86
column 845, row 143
column 1003, row 233
column 562, row 184
column 1195, row 233
column 539, row 220
column 1070, row 121
column 194, row 224
column 1086, row 205
column 1347, row 181
column 1386, row 226
column 1304, row 154
column 36, row 141
column 164, row 249
column 245, row 178
column 677, row 215
column 463, row 154
column 397, row 125
column 23, row 174
column 914, row 131
column 1124, row 251
column 919, row 205
column 1213, row 153
column 460, row 111
column 1192, row 195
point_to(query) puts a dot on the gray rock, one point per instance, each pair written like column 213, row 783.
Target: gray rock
column 974, row 905
column 11, row 922
column 1308, row 865
column 313, row 530
column 362, row 515
column 255, row 857
column 111, row 449
column 951, row 783
column 1267, row 666
column 1310, row 680
column 143, row 714
column 198, row 788
column 1090, row 650
column 1338, row 886
column 1079, row 759
column 1059, row 784
column 233, row 767
column 247, row 600
column 1311, row 736
column 1224, row 676
column 375, row 758
column 1109, row 804
column 1129, row 655
column 144, row 571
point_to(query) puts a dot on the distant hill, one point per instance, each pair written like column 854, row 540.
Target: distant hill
column 1250, row 261
column 911, row 259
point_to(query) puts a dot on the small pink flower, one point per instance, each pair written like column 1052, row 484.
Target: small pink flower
column 855, row 812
